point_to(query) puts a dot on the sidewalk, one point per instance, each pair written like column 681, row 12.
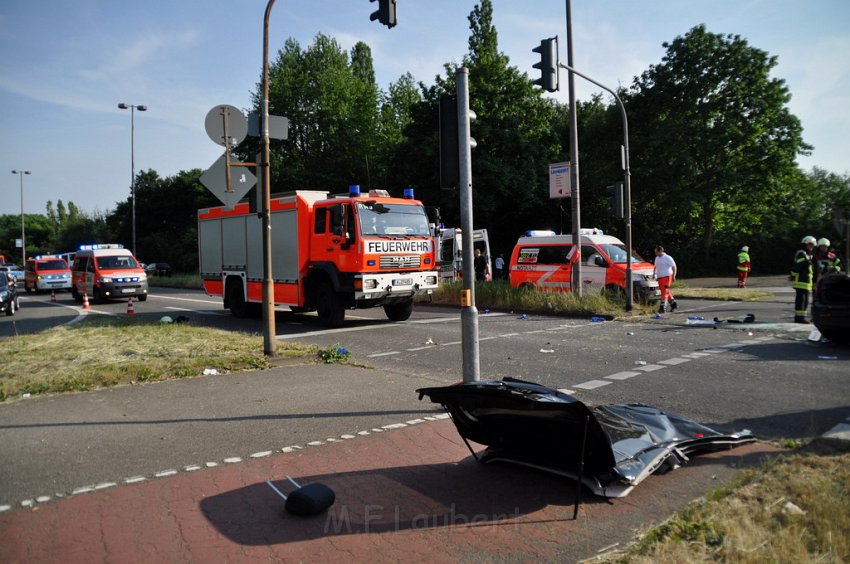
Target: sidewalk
column 411, row 494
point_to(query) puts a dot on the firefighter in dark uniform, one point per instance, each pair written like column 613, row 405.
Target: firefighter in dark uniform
column 801, row 277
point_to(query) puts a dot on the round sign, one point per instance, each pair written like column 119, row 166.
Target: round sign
column 226, row 117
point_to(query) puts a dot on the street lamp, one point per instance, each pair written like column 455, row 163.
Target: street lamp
column 132, row 108
column 21, row 173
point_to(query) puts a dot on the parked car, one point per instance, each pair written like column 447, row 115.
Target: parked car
column 14, row 271
column 158, row 269
column 8, row 294
column 831, row 308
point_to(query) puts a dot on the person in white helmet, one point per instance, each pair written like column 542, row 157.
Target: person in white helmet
column 824, row 261
column 743, row 266
column 801, row 277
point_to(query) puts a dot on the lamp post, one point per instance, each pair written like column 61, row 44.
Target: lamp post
column 21, row 173
column 133, row 108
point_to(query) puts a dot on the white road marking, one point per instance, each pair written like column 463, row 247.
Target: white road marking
column 622, row 375
column 592, row 384
column 650, row 367
column 383, row 354
column 674, row 361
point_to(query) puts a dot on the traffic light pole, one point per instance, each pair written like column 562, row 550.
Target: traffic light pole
column 469, row 313
column 627, row 187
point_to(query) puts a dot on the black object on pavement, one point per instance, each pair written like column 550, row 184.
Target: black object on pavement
column 609, row 448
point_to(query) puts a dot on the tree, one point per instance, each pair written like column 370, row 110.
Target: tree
column 331, row 102
column 515, row 140
column 716, row 136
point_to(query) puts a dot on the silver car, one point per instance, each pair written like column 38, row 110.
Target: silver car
column 14, row 271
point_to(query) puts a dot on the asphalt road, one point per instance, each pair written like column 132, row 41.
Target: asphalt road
column 766, row 376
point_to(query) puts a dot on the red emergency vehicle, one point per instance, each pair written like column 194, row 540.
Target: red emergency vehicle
column 543, row 260
column 329, row 254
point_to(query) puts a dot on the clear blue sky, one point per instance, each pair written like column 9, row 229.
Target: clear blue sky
column 66, row 64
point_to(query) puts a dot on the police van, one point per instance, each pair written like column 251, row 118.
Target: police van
column 107, row 271
column 543, row 260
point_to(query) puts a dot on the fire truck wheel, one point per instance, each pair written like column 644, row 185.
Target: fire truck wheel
column 238, row 307
column 329, row 307
column 399, row 312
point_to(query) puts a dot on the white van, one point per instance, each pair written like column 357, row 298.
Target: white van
column 450, row 250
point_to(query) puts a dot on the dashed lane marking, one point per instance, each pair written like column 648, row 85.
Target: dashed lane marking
column 592, row 384
column 622, row 375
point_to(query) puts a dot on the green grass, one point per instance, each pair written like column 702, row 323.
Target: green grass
column 499, row 295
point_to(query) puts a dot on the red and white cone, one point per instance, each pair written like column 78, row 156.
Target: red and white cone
column 131, row 310
column 53, row 296
column 86, row 301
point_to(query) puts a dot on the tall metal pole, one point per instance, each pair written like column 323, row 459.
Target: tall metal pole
column 268, row 281
column 21, row 173
column 133, row 108
column 577, row 288
column 469, row 313
column 627, row 185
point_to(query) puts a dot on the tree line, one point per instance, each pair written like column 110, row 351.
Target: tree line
column 713, row 149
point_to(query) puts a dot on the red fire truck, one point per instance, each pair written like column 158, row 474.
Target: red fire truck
column 329, row 254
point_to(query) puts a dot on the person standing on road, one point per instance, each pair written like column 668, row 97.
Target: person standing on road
column 801, row 278
column 665, row 272
column 500, row 266
column 743, row 266
column 480, row 264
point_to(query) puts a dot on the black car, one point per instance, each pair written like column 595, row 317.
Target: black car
column 8, row 294
column 158, row 269
column 831, row 308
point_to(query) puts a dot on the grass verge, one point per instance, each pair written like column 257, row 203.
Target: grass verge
column 793, row 509
column 101, row 352
column 499, row 295
column 681, row 290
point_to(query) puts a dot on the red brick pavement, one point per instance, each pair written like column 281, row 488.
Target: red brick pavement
column 411, row 494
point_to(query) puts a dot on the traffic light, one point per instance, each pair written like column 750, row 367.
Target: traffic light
column 615, row 200
column 449, row 165
column 548, row 64
column 450, row 141
column 385, row 13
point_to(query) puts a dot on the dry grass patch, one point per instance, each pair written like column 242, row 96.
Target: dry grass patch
column 102, row 352
column 795, row 509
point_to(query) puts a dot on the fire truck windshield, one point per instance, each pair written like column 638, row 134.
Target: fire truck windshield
column 392, row 220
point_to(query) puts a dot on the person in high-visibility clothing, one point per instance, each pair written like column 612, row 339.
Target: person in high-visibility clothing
column 743, row 266
column 801, row 277
column 665, row 272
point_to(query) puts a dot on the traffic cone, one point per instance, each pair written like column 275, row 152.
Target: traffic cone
column 53, row 296
column 86, row 301
column 131, row 310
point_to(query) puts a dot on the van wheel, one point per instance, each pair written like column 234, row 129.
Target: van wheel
column 27, row 288
column 399, row 312
column 236, row 299
column 96, row 297
column 329, row 307
column 76, row 295
column 143, row 298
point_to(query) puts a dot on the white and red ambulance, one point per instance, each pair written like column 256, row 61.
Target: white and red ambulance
column 544, row 261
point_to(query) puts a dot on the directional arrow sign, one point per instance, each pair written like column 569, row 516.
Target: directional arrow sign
column 215, row 179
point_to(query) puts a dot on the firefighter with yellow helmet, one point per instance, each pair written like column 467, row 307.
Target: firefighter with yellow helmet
column 801, row 277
